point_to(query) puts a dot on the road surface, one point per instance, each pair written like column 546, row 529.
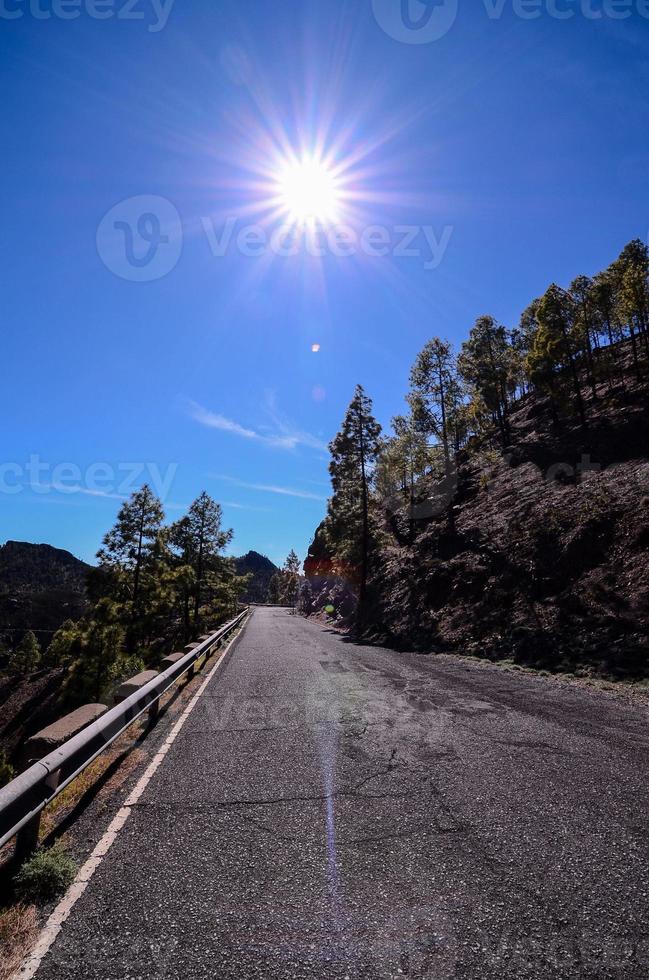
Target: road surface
column 339, row 811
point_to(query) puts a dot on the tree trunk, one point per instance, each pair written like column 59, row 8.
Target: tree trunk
column 634, row 345
column 362, row 591
column 575, row 377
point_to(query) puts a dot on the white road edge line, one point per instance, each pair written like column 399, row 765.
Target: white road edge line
column 54, row 924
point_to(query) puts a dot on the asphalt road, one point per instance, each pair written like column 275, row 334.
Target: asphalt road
column 339, row 811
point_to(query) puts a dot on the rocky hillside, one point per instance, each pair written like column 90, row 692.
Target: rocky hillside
column 549, row 560
column 262, row 570
column 40, row 587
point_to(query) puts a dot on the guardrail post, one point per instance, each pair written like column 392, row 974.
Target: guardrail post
column 154, row 710
column 25, row 797
column 27, row 839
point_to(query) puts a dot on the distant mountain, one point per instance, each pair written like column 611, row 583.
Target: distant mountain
column 40, row 587
column 262, row 570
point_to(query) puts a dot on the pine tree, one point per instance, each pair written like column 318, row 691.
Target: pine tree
column 581, row 293
column 284, row 586
column 275, row 589
column 434, row 392
column 132, row 548
column 487, row 364
column 26, row 658
column 556, row 316
column 199, row 540
column 291, row 579
column 522, row 341
column 99, row 649
column 65, row 645
column 435, row 400
column 631, row 276
column 403, row 459
column 354, row 453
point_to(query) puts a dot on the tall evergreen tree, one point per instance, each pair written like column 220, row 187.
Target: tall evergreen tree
column 292, row 569
column 557, row 331
column 132, row 546
column 98, row 649
column 631, row 276
column 205, row 517
column 197, row 541
column 522, row 341
column 434, row 391
column 581, row 293
column 353, row 456
column 486, row 363
column 284, row 586
column 274, row 596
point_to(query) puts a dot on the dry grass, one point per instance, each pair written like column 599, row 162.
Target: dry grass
column 126, row 743
column 19, row 923
column 18, row 929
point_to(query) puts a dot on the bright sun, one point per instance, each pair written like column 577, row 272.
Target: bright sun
column 308, row 191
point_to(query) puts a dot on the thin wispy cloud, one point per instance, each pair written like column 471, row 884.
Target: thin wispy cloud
column 72, row 490
column 271, row 488
column 284, row 428
column 75, row 488
column 237, row 506
column 281, row 434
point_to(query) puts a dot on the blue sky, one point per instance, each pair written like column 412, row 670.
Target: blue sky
column 516, row 149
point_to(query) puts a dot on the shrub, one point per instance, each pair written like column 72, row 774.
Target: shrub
column 124, row 668
column 45, row 876
column 26, row 657
column 6, row 770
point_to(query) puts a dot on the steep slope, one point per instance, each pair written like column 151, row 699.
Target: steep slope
column 549, row 562
column 40, row 587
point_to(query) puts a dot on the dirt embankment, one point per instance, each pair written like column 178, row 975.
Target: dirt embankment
column 549, row 560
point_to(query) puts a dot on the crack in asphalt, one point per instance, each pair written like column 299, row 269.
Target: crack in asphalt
column 423, row 832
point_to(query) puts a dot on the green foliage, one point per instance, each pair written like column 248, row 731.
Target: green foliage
column 124, row 667
column 45, row 876
column 99, row 647
column 6, row 770
column 65, row 646
column 26, row 658
column 131, row 553
column 435, row 394
column 488, row 364
column 354, row 453
column 153, row 588
column 284, row 586
column 197, row 542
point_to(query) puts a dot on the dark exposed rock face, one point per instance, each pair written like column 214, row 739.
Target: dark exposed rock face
column 262, row 570
column 40, row 587
column 549, row 564
column 27, row 704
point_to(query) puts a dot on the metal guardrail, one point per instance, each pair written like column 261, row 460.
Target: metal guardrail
column 23, row 799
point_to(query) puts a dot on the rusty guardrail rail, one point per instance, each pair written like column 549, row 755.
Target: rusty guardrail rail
column 25, row 797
